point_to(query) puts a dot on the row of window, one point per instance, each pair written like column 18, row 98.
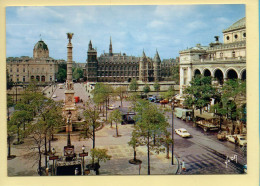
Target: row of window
column 24, row 70
column 38, row 78
column 236, row 36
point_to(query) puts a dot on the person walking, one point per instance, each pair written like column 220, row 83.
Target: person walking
column 76, row 171
column 183, row 166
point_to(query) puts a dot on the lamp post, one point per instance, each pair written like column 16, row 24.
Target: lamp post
column 172, row 131
column 83, row 154
column 68, row 138
column 53, row 157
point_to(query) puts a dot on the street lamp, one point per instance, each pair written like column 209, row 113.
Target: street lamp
column 172, row 130
column 53, row 158
column 83, row 154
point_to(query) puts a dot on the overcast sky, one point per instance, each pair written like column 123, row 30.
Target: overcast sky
column 168, row 29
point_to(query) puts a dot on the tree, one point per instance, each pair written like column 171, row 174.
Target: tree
column 92, row 117
column 199, row 93
column 146, row 89
column 77, row 73
column 133, row 85
column 117, row 118
column 36, row 132
column 10, row 132
column 134, row 143
column 231, row 101
column 62, row 72
column 156, row 86
column 18, row 119
column 150, row 127
column 98, row 155
column 101, row 95
column 120, row 92
column 9, row 83
column 169, row 94
column 176, row 73
column 9, row 105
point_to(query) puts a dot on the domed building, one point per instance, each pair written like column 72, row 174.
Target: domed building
column 41, row 67
column 221, row 61
column 40, row 50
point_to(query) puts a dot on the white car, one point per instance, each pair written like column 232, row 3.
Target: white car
column 238, row 139
column 54, row 96
column 182, row 132
column 111, row 107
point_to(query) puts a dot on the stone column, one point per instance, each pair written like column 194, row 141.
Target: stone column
column 69, row 59
column 181, row 80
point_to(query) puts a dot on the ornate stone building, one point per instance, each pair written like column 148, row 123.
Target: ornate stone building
column 117, row 67
column 220, row 60
column 40, row 67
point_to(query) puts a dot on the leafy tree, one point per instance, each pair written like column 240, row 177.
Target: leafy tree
column 117, row 118
column 77, row 73
column 98, row 155
column 92, row 117
column 62, row 72
column 120, row 92
column 101, row 95
column 9, row 83
column 9, row 105
column 150, row 127
column 10, row 133
column 133, row 85
column 36, row 132
column 156, row 86
column 134, row 143
column 176, row 73
column 133, row 98
column 199, row 93
column 146, row 89
column 18, row 119
column 231, row 100
column 169, row 94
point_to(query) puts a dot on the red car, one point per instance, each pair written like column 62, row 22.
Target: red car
column 165, row 101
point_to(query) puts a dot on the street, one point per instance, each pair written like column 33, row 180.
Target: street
column 203, row 153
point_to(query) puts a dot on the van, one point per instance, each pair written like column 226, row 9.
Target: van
column 184, row 114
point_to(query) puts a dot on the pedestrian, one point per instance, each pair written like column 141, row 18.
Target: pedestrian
column 183, row 166
column 47, row 171
column 76, row 171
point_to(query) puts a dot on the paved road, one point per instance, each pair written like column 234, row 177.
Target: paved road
column 203, row 153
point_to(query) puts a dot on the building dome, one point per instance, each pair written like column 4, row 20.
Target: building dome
column 40, row 50
column 241, row 23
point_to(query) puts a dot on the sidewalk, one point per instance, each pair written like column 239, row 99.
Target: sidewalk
column 118, row 148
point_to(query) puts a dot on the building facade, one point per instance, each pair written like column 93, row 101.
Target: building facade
column 40, row 67
column 117, row 67
column 221, row 61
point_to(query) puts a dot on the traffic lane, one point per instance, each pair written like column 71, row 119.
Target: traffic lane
column 200, row 159
column 209, row 140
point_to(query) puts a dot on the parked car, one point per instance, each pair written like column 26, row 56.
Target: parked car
column 237, row 139
column 152, row 99
column 182, row 132
column 111, row 107
column 222, row 135
column 54, row 96
column 165, row 101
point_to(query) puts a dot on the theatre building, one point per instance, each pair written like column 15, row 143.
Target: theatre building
column 221, row 61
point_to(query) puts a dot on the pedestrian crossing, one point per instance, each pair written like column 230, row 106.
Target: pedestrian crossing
column 207, row 163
